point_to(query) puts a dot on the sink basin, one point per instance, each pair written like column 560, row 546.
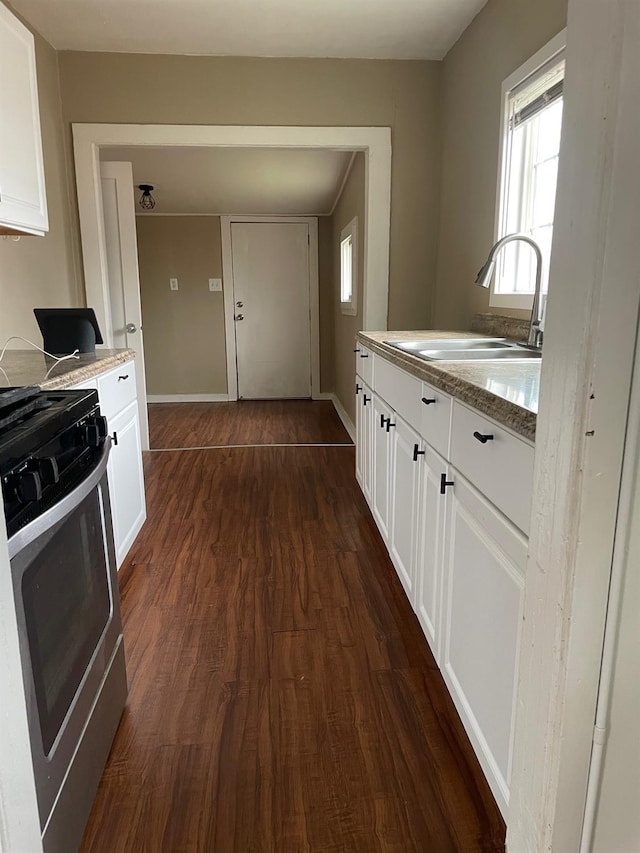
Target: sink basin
column 467, row 349
column 509, row 354
column 450, row 344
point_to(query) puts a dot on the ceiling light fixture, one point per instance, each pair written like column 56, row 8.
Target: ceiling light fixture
column 147, row 201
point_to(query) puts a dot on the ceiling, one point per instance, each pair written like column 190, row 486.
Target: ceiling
column 238, row 180
column 372, row 29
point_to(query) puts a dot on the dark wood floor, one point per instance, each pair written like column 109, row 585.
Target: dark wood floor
column 247, row 422
column 282, row 697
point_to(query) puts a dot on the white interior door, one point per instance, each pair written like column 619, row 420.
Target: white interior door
column 272, row 309
column 121, row 246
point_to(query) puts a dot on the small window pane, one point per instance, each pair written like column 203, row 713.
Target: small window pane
column 544, row 193
column 549, row 123
column 346, row 283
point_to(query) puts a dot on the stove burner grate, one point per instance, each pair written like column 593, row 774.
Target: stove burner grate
column 16, row 404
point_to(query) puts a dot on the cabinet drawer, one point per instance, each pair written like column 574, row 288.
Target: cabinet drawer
column 364, row 363
column 117, row 389
column 435, row 423
column 501, row 465
column 400, row 390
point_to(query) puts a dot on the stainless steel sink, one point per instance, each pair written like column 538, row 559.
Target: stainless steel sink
column 510, row 354
column 450, row 343
column 467, row 349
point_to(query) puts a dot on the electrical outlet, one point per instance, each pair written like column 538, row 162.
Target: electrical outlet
column 215, row 284
column 173, row 283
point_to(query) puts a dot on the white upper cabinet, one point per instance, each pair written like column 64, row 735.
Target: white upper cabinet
column 23, row 202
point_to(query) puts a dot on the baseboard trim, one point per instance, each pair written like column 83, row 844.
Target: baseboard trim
column 344, row 417
column 187, row 398
column 323, row 395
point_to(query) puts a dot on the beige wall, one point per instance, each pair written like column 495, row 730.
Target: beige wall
column 103, row 87
column 351, row 204
column 499, row 40
column 40, row 272
column 183, row 330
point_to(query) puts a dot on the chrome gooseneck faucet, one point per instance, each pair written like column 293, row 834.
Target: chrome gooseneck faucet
column 483, row 279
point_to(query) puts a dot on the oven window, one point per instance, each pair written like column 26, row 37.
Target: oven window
column 67, row 606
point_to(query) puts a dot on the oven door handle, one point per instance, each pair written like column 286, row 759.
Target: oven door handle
column 58, row 512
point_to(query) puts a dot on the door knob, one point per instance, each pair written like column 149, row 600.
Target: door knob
column 239, row 317
column 131, row 328
column 240, row 304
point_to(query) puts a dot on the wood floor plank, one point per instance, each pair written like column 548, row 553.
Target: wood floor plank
column 282, row 696
column 174, row 425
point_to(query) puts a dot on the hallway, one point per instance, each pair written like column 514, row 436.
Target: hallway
column 282, row 695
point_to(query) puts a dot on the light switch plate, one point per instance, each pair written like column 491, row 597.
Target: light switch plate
column 173, row 283
column 215, row 284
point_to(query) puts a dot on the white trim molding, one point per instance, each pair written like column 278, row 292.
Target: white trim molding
column 187, row 398
column 590, row 339
column 375, row 142
column 344, row 417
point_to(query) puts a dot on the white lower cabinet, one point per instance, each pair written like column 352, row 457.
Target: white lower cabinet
column 404, row 505
column 364, row 421
column 124, row 472
column 383, row 416
column 431, row 524
column 458, row 554
column 484, row 563
column 119, row 404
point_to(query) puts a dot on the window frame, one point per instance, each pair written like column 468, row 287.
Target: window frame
column 554, row 48
column 350, row 307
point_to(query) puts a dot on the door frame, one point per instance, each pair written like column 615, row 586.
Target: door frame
column 228, row 291
column 122, row 176
column 374, row 142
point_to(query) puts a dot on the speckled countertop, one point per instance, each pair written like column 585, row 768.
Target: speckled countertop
column 506, row 391
column 30, row 367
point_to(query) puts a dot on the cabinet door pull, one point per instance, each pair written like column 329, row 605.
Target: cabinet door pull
column 366, row 400
column 115, row 437
column 417, row 452
column 444, row 483
column 428, row 400
column 356, row 350
column 125, row 376
column 383, row 420
column 483, row 438
column 358, row 389
column 364, row 355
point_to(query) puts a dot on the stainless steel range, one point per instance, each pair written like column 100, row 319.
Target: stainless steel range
column 54, row 449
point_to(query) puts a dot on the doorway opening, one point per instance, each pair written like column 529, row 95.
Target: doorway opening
column 94, row 142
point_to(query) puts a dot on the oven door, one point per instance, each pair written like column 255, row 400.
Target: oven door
column 65, row 587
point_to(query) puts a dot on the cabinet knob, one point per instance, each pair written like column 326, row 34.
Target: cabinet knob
column 483, row 438
column 417, row 452
column 444, row 483
column 428, row 400
column 131, row 328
